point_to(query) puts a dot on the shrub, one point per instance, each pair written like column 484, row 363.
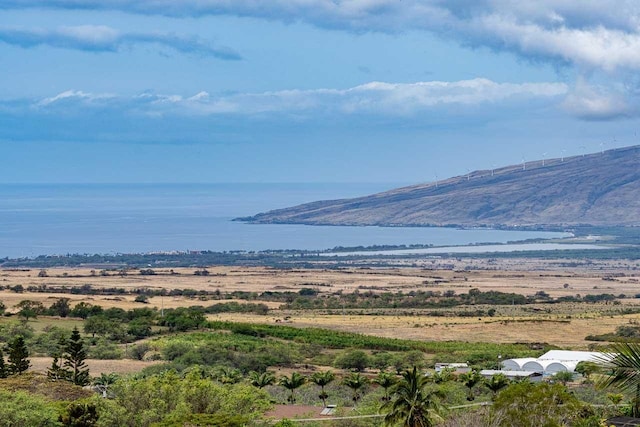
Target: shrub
column 356, row 360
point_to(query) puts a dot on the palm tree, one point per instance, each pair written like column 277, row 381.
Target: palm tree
column 413, row 404
column 103, row 382
column 322, row 379
column 355, row 381
column 228, row 375
column 470, row 379
column 496, row 383
column 292, row 383
column 621, row 369
column 385, row 380
column 443, row 376
column 261, row 380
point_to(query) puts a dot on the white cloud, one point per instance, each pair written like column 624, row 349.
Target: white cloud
column 389, row 99
column 100, row 38
column 594, row 103
column 599, row 34
column 74, row 96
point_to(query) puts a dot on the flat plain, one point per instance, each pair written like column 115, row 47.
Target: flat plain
column 561, row 324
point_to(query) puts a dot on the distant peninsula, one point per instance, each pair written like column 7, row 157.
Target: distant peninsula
column 600, row 189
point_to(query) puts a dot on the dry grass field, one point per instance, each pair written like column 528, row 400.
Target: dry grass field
column 561, row 324
column 556, row 283
column 96, row 367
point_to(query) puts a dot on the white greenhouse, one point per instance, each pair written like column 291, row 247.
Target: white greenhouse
column 553, row 361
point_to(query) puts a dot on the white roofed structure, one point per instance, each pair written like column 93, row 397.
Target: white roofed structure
column 572, row 356
column 553, row 361
column 516, row 364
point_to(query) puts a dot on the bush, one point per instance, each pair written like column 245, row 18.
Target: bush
column 137, row 352
column 176, row 349
column 356, row 360
column 142, row 298
column 105, row 350
column 23, row 409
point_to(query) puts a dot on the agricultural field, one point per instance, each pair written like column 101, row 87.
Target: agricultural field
column 564, row 324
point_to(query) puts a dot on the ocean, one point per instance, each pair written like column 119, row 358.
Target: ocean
column 47, row 219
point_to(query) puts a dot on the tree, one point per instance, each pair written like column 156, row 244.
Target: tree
column 356, row 360
column 183, row 319
column 587, row 368
column 470, row 379
column 29, row 309
column 142, row 298
column 413, row 404
column 355, row 381
column 261, row 380
column 84, row 310
column 527, row 404
column 79, row 414
column 228, row 375
column 18, row 356
column 621, row 369
column 496, row 383
column 97, row 325
column 60, row 308
column 386, row 380
column 443, row 376
column 563, row 377
column 56, row 371
column 104, row 381
column 75, row 355
column 322, row 379
column 292, row 383
column 3, row 367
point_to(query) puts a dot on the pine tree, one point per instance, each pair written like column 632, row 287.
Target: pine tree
column 56, row 371
column 18, row 356
column 75, row 355
column 3, row 367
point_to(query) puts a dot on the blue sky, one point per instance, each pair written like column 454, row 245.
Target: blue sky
column 309, row 90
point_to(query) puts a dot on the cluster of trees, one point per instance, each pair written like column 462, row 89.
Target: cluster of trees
column 420, row 299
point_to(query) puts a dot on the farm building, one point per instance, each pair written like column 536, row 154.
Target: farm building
column 553, row 361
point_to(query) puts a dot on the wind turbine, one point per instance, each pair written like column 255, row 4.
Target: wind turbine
column 602, row 144
column 493, row 168
column 562, row 155
column 544, row 156
column 524, row 164
column 583, row 148
column 468, row 174
column 436, row 175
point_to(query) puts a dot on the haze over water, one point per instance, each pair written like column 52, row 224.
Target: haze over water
column 96, row 218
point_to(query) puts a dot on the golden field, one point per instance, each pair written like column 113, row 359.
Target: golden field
column 565, row 324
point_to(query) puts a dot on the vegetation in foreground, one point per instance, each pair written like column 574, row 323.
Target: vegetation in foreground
column 230, row 373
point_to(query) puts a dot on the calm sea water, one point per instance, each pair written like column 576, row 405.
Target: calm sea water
column 61, row 219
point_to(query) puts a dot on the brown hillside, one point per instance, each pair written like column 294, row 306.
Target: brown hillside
column 596, row 189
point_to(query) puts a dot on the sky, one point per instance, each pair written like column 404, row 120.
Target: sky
column 402, row 91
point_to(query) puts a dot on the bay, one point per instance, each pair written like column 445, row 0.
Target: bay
column 38, row 219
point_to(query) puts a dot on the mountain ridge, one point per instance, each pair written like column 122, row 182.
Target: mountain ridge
column 599, row 189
